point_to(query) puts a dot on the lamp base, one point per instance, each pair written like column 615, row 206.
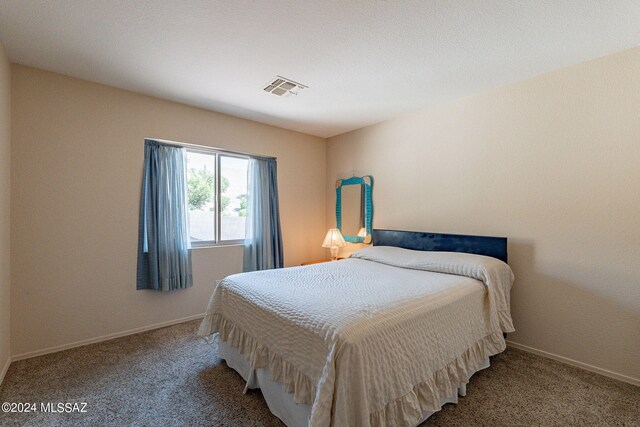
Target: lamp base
column 334, row 252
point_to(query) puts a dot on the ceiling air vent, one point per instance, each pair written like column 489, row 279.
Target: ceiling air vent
column 282, row 86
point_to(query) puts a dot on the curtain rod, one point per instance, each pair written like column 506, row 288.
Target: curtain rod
column 206, row 147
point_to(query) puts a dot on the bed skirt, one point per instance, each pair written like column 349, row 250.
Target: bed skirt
column 282, row 404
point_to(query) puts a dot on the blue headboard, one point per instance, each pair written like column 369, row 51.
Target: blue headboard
column 481, row 245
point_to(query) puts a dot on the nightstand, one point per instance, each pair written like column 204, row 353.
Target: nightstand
column 319, row 261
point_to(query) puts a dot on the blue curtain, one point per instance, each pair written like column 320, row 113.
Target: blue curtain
column 164, row 258
column 263, row 242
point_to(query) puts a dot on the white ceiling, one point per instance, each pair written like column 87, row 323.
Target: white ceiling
column 364, row 61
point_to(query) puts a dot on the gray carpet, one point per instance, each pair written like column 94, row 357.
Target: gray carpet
column 169, row 377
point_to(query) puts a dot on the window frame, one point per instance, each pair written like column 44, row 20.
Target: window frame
column 218, row 199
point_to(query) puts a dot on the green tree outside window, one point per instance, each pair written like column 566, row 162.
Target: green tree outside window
column 201, row 188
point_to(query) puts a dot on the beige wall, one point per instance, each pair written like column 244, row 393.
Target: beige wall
column 554, row 164
column 77, row 161
column 5, row 160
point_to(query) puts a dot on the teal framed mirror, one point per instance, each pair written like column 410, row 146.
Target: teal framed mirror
column 354, row 208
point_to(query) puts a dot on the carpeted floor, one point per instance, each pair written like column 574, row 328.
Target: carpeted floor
column 169, row 377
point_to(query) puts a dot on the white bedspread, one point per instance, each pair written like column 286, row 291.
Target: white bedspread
column 376, row 339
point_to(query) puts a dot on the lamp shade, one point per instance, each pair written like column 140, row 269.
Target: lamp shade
column 334, row 239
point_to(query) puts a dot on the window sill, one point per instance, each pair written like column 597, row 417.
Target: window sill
column 216, row 245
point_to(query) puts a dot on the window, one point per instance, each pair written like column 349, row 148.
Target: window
column 217, row 193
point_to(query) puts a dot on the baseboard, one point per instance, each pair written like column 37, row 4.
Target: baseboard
column 108, row 337
column 585, row 366
column 48, row 350
column 5, row 368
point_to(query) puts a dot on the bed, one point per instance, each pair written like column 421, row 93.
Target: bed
column 383, row 338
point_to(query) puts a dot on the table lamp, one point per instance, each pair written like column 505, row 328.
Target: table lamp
column 334, row 240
